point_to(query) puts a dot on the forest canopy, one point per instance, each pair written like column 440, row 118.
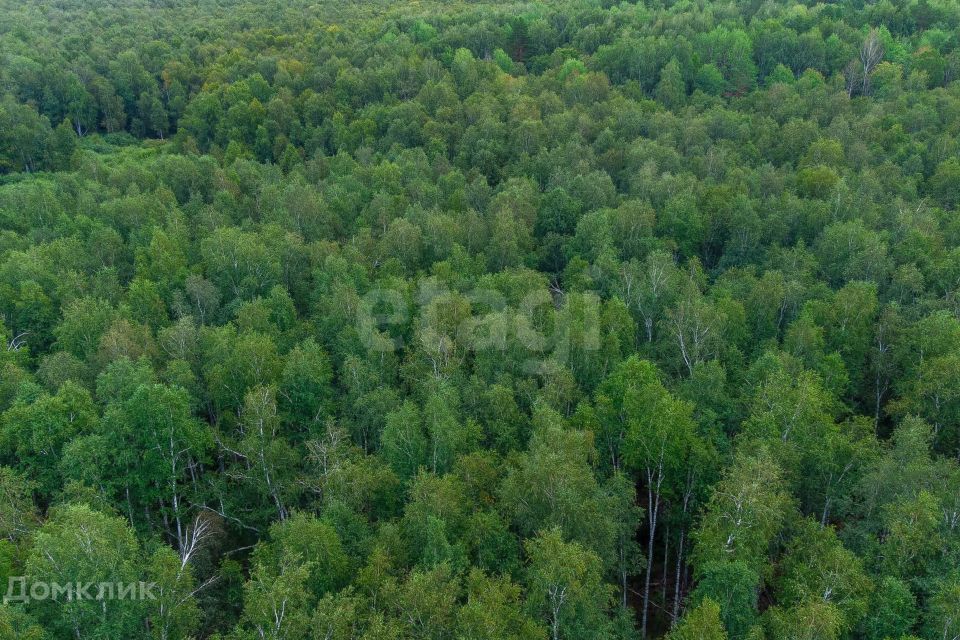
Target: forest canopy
column 567, row 320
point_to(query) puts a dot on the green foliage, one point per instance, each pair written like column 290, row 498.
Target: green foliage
column 893, row 610
column 817, row 567
column 700, row 623
column 733, row 588
column 746, row 510
column 565, row 587
column 481, row 320
column 78, row 544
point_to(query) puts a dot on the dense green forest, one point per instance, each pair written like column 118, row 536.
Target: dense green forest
column 569, row 320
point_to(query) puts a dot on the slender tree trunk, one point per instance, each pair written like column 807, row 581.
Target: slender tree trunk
column 653, row 507
column 623, row 571
column 175, row 493
column 676, row 583
column 666, row 562
column 129, row 505
column 687, row 496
